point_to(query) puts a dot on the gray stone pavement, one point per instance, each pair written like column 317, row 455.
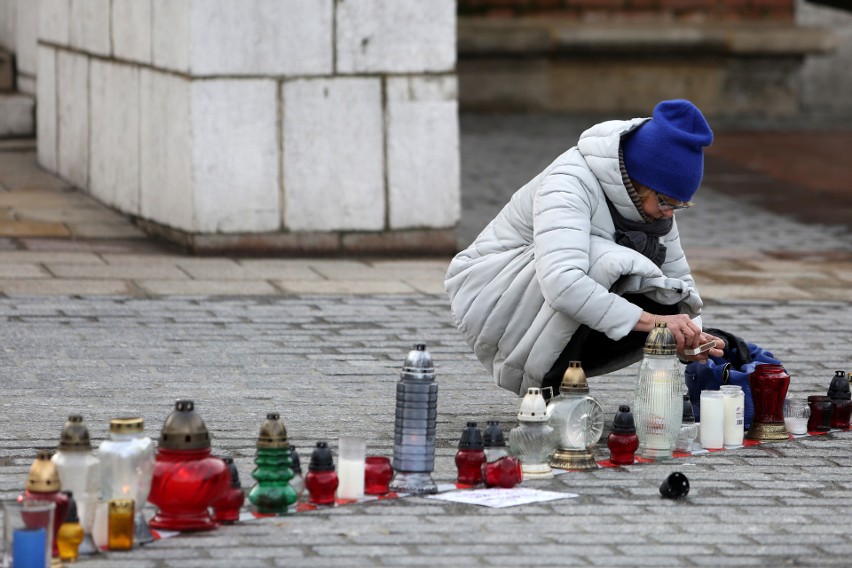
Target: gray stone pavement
column 100, row 343
column 329, row 365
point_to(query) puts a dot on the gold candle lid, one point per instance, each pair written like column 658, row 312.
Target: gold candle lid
column 574, row 379
column 43, row 477
column 131, row 425
column 660, row 341
column 75, row 436
column 184, row 429
column 273, row 433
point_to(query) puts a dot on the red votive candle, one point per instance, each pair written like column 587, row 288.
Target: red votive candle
column 377, row 475
column 821, row 410
column 504, row 472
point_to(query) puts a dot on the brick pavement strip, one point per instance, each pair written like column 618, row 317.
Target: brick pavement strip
column 329, row 364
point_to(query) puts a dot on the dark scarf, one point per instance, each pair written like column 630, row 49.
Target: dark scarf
column 641, row 236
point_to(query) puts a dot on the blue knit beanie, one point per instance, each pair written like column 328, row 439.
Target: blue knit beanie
column 666, row 153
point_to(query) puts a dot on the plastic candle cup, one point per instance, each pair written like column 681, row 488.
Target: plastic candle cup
column 350, row 467
column 28, row 533
column 734, row 412
column 712, row 427
column 796, row 414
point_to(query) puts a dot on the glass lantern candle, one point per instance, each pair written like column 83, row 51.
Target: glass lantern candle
column 272, row 493
column 43, row 485
column 532, row 440
column 840, row 395
column 658, row 404
column 796, row 414
column 733, row 415
column 577, row 421
column 470, row 456
column 321, row 481
column 79, row 472
column 414, row 427
column 622, row 440
column 688, row 428
column 769, row 384
column 821, row 408
column 226, row 509
column 127, row 466
column 187, row 479
column 500, row 469
column 70, row 534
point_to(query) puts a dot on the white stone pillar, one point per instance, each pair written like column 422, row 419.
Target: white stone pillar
column 308, row 126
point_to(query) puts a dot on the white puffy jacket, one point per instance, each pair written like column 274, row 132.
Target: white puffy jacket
column 548, row 263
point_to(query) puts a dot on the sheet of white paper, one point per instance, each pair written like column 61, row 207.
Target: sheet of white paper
column 499, row 498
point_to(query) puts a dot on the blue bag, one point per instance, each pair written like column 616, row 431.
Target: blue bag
column 739, row 360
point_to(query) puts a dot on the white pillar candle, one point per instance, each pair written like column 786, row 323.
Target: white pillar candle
column 734, row 415
column 350, row 473
column 350, row 467
column 712, row 428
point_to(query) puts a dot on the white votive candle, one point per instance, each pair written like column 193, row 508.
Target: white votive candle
column 734, row 415
column 712, row 426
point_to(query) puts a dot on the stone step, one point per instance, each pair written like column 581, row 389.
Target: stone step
column 17, row 115
column 7, row 71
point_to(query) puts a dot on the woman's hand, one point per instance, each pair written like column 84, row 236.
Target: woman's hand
column 686, row 333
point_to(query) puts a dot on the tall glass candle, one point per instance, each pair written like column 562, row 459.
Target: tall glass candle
column 734, row 415
column 712, row 427
column 658, row 409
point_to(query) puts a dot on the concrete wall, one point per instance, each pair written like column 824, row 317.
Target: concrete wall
column 825, row 82
column 297, row 121
column 18, row 34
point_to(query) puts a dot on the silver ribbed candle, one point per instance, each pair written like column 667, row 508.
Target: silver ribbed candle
column 414, row 432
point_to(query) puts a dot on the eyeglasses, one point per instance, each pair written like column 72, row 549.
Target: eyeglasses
column 666, row 206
